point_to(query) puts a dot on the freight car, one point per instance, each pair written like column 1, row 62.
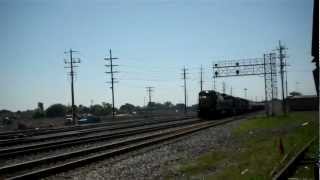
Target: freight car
column 213, row 105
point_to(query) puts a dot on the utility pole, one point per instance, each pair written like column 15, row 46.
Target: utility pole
column 285, row 65
column 245, row 92
column 111, row 65
column 201, row 78
column 231, row 90
column 149, row 90
column 184, row 73
column 213, row 77
column 282, row 55
column 71, row 64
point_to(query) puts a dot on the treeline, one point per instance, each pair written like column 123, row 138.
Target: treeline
column 103, row 109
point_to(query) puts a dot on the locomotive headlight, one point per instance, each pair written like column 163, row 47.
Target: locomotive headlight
column 203, row 97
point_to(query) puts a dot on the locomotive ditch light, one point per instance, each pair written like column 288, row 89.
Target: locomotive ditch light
column 237, row 72
column 216, row 65
column 216, row 73
column 237, row 64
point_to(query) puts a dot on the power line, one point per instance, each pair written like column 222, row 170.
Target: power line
column 72, row 63
column 111, row 65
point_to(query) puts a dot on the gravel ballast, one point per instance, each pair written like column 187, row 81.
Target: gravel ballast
column 154, row 162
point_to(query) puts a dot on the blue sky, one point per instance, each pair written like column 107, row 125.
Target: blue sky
column 153, row 40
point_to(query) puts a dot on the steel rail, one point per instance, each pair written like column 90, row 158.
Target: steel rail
column 83, row 131
column 32, row 132
column 127, row 147
column 286, row 170
column 10, row 152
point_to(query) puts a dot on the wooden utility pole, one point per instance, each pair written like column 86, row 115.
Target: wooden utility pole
column 149, row 90
column 111, row 65
column 184, row 73
column 71, row 62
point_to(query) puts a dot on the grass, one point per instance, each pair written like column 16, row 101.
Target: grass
column 255, row 152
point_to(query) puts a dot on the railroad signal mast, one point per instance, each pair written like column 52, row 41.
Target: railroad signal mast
column 281, row 49
column 71, row 64
column 251, row 67
column 111, row 72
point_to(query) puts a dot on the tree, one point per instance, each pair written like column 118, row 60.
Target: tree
column 127, row 108
column 97, row 110
column 39, row 112
column 83, row 109
column 294, row 93
column 107, row 108
column 168, row 105
column 40, row 107
column 56, row 110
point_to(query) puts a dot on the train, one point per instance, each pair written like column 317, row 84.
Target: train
column 214, row 105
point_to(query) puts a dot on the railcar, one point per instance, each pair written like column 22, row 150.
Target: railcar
column 213, row 105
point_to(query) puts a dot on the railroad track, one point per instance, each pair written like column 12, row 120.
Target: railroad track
column 95, row 129
column 32, row 132
column 33, row 148
column 290, row 167
column 53, row 164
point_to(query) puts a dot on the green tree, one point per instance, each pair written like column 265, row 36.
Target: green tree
column 56, row 110
column 39, row 112
column 127, row 108
column 83, row 109
column 97, row 110
column 40, row 107
column 168, row 105
column 107, row 108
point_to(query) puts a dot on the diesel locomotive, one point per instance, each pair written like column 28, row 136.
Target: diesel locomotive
column 213, row 105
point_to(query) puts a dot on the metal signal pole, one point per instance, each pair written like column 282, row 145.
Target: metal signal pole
column 111, row 65
column 265, row 86
column 72, row 63
column 282, row 65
